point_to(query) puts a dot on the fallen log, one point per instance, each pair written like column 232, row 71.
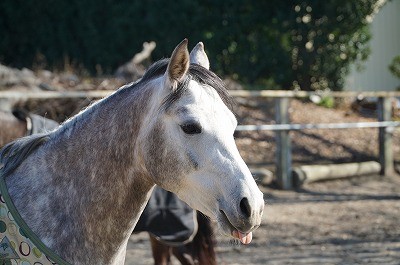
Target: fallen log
column 313, row 173
column 262, row 175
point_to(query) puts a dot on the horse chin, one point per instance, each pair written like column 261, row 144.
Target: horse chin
column 227, row 229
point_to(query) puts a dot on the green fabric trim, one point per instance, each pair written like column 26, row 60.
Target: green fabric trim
column 28, row 232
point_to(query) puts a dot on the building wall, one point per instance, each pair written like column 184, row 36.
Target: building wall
column 385, row 45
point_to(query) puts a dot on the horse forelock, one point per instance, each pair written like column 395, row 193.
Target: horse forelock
column 205, row 78
column 210, row 79
column 197, row 73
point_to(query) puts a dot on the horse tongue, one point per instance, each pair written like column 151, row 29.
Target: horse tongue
column 243, row 237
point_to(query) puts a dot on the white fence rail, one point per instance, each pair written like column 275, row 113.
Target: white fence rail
column 310, row 126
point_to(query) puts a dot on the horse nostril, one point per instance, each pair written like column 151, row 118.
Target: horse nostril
column 245, row 207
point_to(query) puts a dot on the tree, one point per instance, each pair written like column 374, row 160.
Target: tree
column 394, row 67
column 326, row 37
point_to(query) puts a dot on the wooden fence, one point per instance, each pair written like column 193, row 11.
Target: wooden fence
column 283, row 126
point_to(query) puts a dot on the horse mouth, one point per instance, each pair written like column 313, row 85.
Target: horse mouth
column 245, row 238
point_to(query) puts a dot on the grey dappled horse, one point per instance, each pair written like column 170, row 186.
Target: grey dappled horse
column 82, row 187
column 173, row 227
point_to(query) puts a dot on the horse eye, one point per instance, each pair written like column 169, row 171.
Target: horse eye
column 191, row 128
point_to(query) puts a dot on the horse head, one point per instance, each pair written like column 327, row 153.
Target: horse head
column 189, row 149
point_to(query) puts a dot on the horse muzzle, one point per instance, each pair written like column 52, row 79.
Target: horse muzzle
column 242, row 219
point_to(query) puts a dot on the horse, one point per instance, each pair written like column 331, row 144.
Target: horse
column 81, row 188
column 200, row 251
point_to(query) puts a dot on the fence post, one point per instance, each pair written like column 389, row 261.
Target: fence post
column 385, row 136
column 283, row 145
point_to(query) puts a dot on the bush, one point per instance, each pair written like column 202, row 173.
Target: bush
column 394, row 67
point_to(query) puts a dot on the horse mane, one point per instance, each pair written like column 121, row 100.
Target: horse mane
column 12, row 154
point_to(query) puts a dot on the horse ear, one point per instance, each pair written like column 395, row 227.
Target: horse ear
column 178, row 64
column 199, row 56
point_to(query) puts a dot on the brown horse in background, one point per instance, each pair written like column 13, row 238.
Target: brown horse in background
column 200, row 251
column 11, row 128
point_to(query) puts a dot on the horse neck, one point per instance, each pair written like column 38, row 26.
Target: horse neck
column 90, row 161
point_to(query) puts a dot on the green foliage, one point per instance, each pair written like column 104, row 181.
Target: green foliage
column 394, row 67
column 304, row 44
column 328, row 37
column 327, row 102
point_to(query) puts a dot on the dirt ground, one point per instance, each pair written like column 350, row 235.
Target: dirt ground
column 353, row 221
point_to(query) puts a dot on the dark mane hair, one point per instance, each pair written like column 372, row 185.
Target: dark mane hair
column 206, row 77
column 12, row 154
column 197, row 73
